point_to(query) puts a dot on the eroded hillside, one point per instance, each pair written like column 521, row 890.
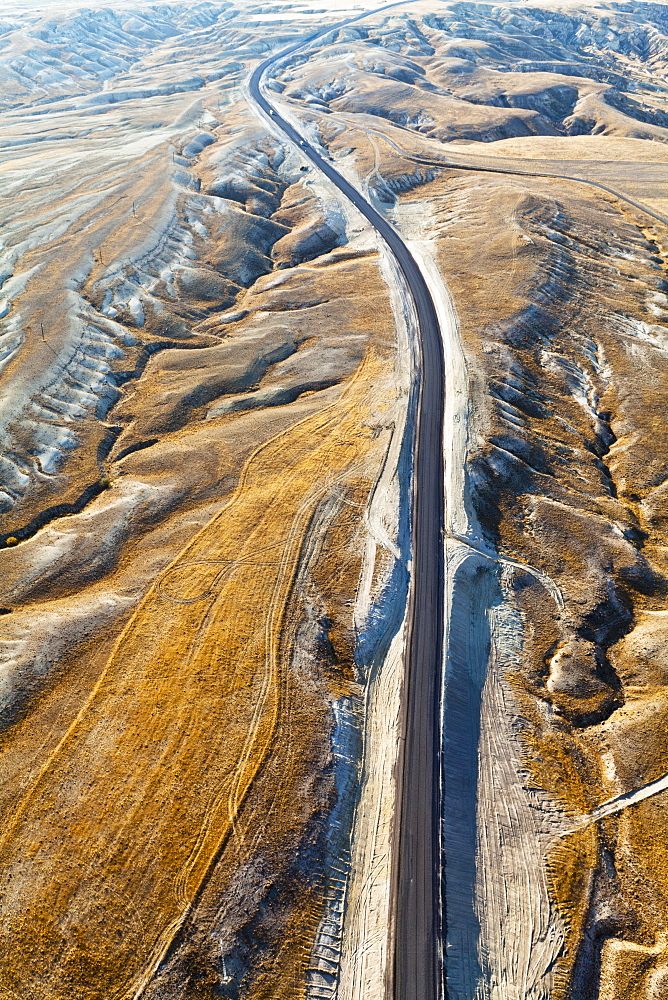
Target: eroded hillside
column 204, row 412
column 550, row 233
column 210, row 369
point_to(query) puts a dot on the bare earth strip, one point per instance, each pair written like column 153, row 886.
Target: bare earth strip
column 523, row 935
column 366, row 955
column 626, row 799
column 502, row 930
column 107, row 850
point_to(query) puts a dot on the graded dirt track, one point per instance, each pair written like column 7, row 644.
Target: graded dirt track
column 417, row 965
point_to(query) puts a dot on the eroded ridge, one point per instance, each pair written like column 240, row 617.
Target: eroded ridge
column 194, row 483
column 555, row 699
column 193, row 691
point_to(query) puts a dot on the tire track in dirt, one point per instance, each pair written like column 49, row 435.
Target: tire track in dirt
column 142, row 792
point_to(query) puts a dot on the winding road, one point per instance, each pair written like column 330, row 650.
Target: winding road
column 417, row 934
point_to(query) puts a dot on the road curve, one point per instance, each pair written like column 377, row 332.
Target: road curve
column 417, row 933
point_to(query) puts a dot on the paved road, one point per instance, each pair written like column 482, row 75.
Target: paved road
column 417, row 965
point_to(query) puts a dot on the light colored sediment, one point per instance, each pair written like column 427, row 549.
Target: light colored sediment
column 186, row 464
column 490, row 892
column 362, row 917
column 493, row 897
column 380, row 617
column 516, row 829
column 366, row 954
column 458, row 518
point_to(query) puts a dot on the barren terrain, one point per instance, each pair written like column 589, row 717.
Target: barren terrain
column 211, row 368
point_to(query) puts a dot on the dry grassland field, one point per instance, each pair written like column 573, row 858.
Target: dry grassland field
column 214, row 466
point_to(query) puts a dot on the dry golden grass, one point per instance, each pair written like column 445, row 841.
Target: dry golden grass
column 574, row 147
column 570, row 870
column 633, row 971
column 108, row 848
column 519, row 294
